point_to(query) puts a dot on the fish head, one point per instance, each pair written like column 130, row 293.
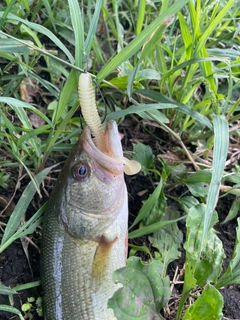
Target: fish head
column 90, row 191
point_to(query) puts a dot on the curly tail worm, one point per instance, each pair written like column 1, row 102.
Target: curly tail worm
column 91, row 116
column 89, row 109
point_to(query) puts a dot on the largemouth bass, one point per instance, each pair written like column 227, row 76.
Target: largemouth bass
column 85, row 231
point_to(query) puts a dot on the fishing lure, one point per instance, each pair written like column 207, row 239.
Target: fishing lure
column 90, row 113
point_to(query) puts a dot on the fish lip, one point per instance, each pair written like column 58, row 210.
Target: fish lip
column 111, row 159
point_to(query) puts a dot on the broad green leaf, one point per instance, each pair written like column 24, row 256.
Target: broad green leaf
column 208, row 306
column 206, row 264
column 232, row 274
column 144, row 292
column 203, row 263
column 186, row 202
column 198, row 183
column 143, row 154
column 167, row 241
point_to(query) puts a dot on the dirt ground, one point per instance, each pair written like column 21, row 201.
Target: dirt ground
column 15, row 268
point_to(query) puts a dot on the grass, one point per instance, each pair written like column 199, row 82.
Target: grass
column 177, row 65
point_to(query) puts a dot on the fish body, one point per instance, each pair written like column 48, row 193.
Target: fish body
column 85, row 231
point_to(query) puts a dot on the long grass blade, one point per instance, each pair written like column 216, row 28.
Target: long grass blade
column 137, row 43
column 77, row 23
column 93, row 27
column 22, row 206
column 221, row 142
column 44, row 31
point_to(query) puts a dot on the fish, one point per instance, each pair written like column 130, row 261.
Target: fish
column 84, row 232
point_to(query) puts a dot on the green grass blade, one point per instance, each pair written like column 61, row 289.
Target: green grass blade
column 212, row 26
column 93, row 27
column 138, row 110
column 141, row 15
column 77, row 23
column 28, row 228
column 137, row 43
column 28, row 285
column 46, row 4
column 44, row 31
column 187, row 39
column 181, row 107
column 6, row 290
column 22, row 206
column 152, row 228
column 6, row 308
column 6, row 12
column 148, row 204
column 13, row 46
column 221, row 142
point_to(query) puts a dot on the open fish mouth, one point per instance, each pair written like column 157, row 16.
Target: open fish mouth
column 112, row 157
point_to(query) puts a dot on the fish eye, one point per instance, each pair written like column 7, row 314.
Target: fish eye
column 81, row 170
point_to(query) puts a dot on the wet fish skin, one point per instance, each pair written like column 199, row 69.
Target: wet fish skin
column 85, row 232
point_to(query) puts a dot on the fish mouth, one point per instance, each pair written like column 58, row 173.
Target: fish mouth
column 111, row 158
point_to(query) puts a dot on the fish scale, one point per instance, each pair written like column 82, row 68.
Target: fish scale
column 81, row 247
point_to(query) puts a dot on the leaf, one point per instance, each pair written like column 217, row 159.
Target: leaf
column 138, row 110
column 148, row 205
column 167, row 241
column 198, row 183
column 42, row 30
column 221, row 141
column 144, row 292
column 232, row 274
column 181, row 107
column 143, row 154
column 5, row 290
column 7, row 308
column 157, row 212
column 203, row 263
column 13, row 46
column 233, row 212
column 78, row 30
column 152, row 228
column 206, row 264
column 22, row 205
column 209, row 305
column 138, row 41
